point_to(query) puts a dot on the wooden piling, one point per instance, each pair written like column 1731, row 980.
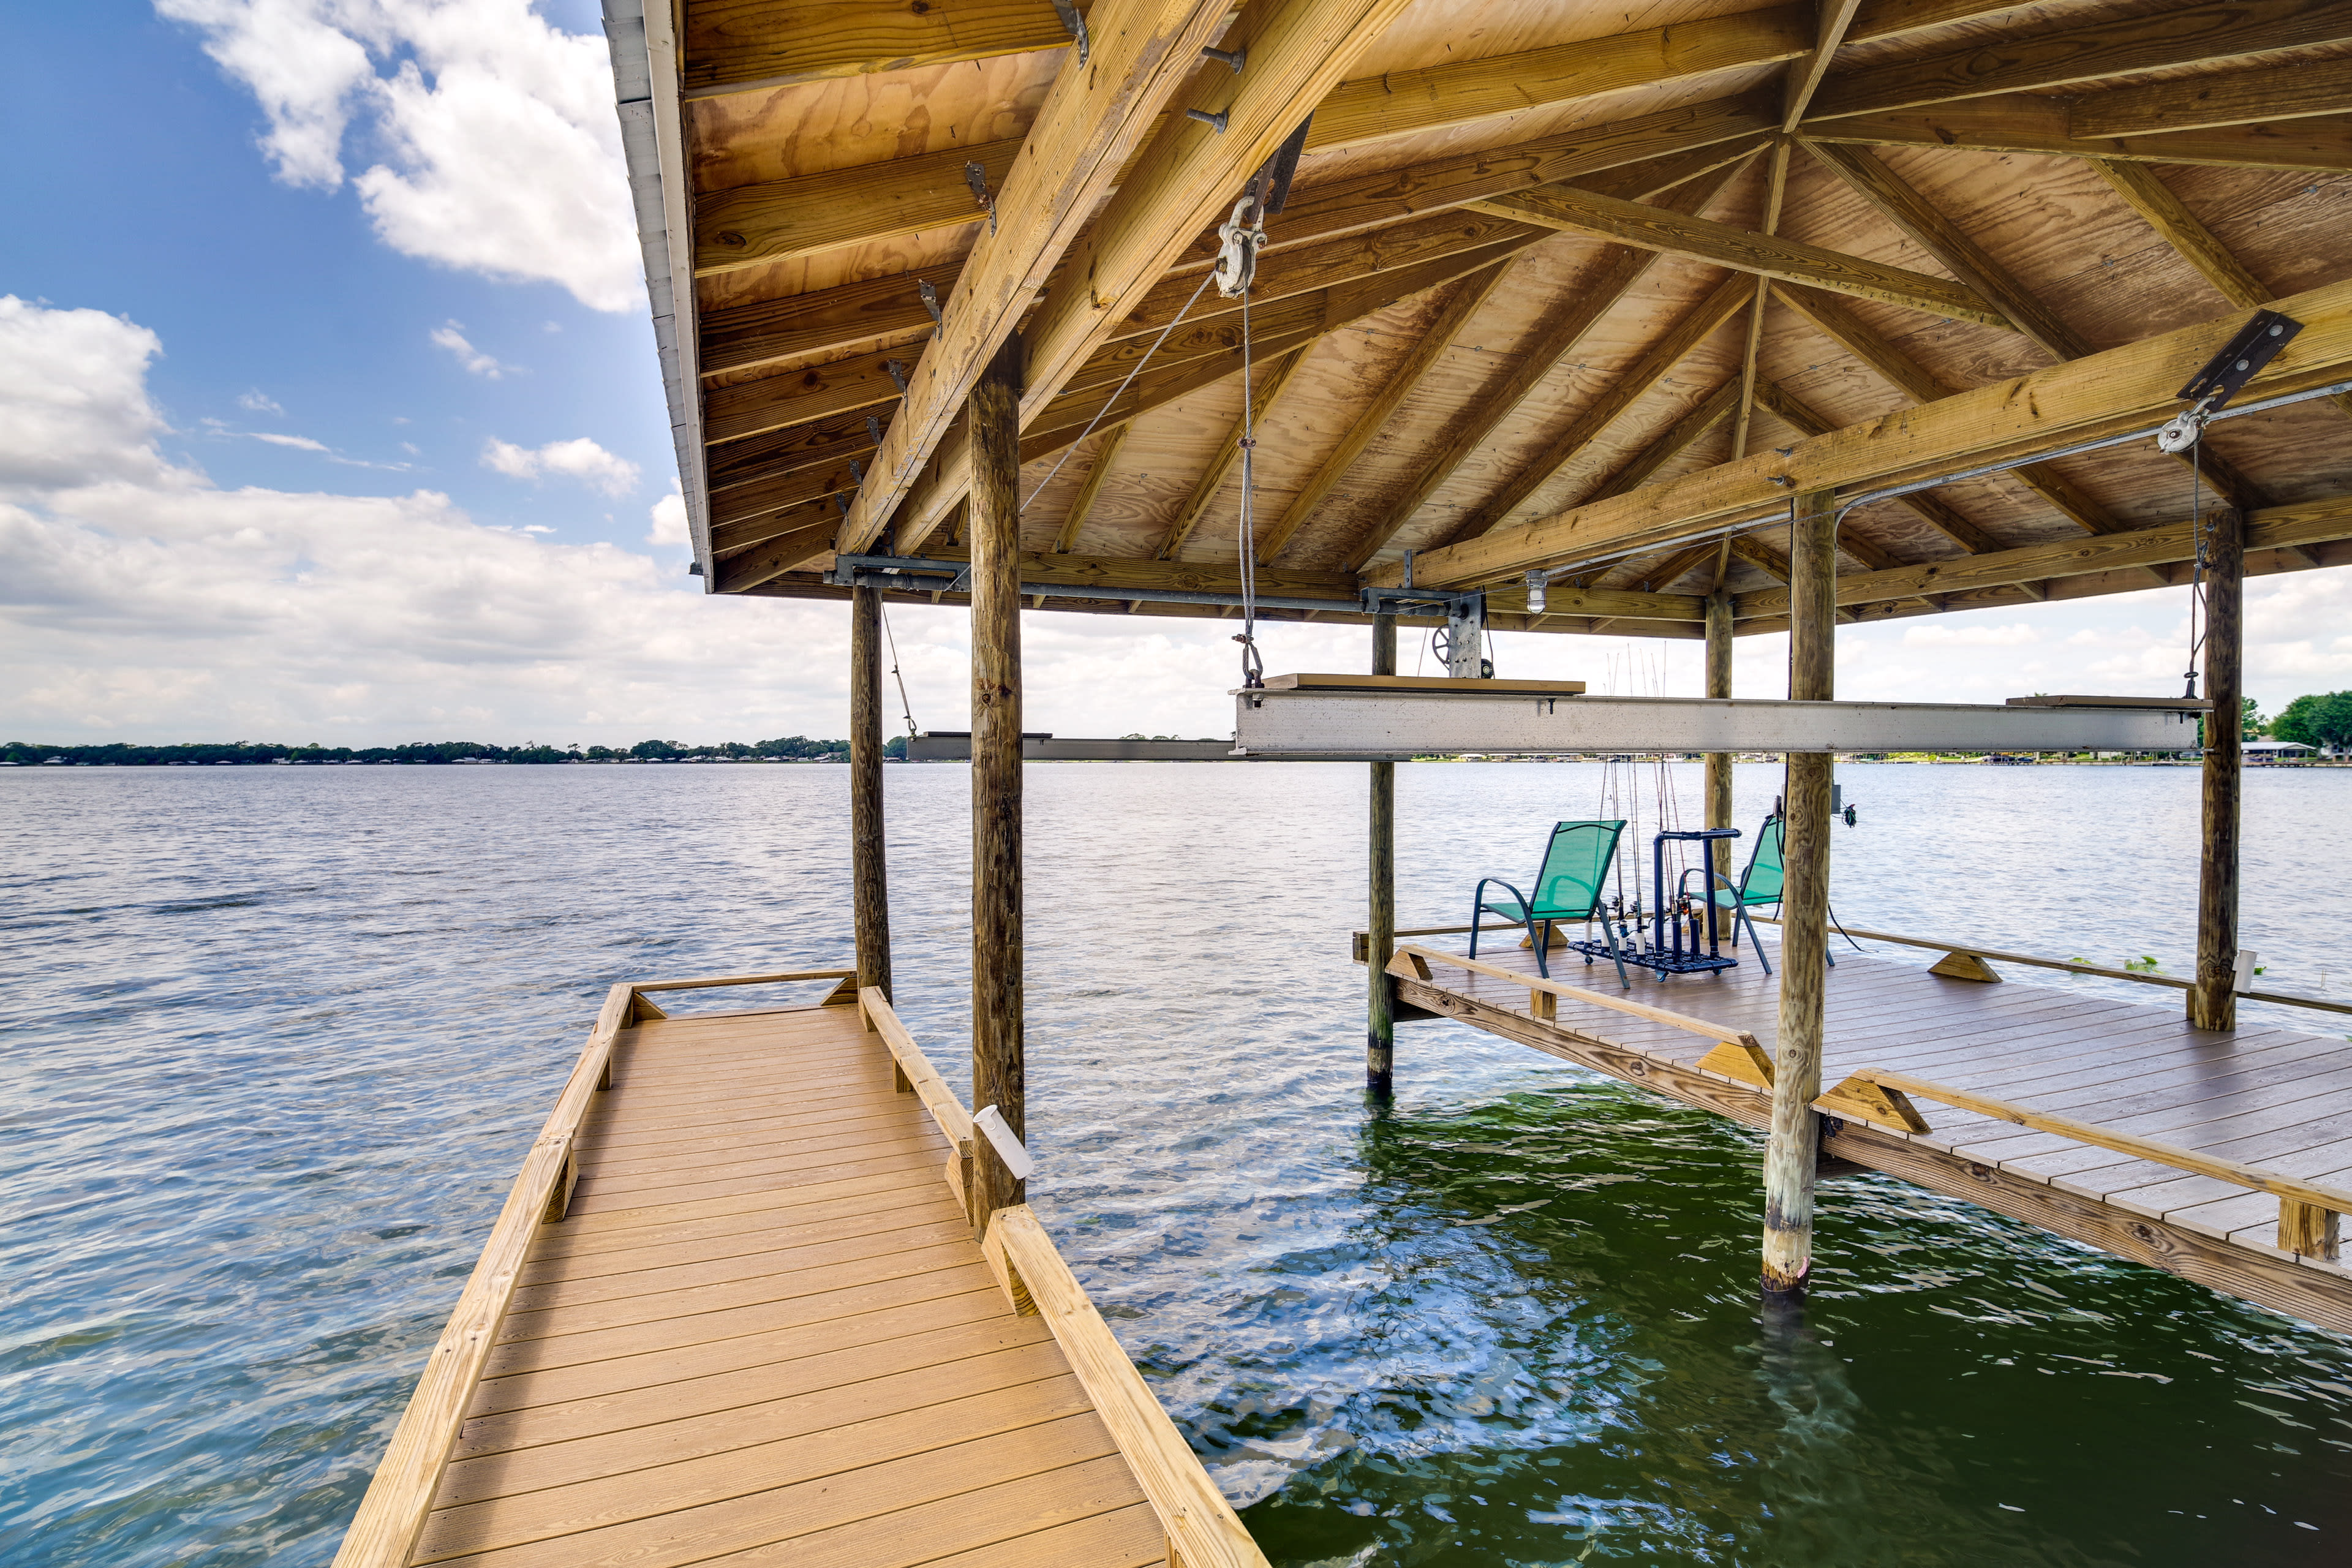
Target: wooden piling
column 1719, row 763
column 2212, row 1000
column 1793, row 1149
column 1380, row 1008
column 869, row 874
column 997, row 1068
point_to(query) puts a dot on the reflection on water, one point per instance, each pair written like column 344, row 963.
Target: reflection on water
column 278, row 1038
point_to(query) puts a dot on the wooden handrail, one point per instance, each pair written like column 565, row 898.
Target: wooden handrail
column 1572, row 993
column 2335, row 1199
column 954, row 1121
column 746, row 979
column 1202, row 1528
column 391, row 1515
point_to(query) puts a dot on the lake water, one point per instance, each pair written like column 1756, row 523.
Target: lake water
column 276, row 1038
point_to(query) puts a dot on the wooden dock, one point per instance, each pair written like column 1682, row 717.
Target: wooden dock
column 745, row 1319
column 2148, row 1139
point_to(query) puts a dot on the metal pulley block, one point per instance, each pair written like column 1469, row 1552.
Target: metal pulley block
column 1238, row 244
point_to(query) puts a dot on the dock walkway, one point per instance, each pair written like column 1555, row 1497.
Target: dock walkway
column 2276, row 1098
column 761, row 1331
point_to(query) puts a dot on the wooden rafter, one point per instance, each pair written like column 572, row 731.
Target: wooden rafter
column 1176, row 187
column 1093, row 118
column 2203, row 35
column 1909, row 211
column 1431, row 348
column 1688, row 331
column 1613, row 276
column 1083, row 504
column 803, row 397
column 738, row 46
column 2116, row 393
column 1721, row 245
column 1775, row 191
column 2276, row 527
column 2208, row 102
column 2033, row 123
column 823, row 321
column 1272, row 380
column 1831, row 20
column 1678, row 439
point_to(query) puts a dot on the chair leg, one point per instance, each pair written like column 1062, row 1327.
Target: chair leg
column 1619, row 957
column 1753, row 941
column 1543, row 947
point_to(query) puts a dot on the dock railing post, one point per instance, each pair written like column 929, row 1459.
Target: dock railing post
column 1793, row 1149
column 1719, row 763
column 997, row 1066
column 2213, row 999
column 1380, row 1005
column 870, row 873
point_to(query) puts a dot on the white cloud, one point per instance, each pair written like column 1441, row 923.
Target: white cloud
column 451, row 335
column 669, row 520
column 578, row 459
column 1935, row 634
column 300, row 443
column 257, row 402
column 76, row 396
column 500, row 147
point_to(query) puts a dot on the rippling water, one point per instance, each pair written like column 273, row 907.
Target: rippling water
column 276, row 1038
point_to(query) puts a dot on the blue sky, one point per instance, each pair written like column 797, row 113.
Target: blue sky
column 329, row 411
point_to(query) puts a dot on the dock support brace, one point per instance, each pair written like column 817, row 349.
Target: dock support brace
column 2212, row 1000
column 1380, row 1002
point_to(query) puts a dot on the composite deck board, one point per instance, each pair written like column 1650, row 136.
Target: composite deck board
column 2276, row 1098
column 764, row 1334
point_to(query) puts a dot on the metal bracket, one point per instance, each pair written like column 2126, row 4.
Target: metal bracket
column 930, row 301
column 898, row 373
column 873, row 428
column 977, row 178
column 1074, row 25
column 2256, row 344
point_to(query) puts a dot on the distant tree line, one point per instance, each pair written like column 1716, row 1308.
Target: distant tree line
column 2321, row 719
column 115, row 753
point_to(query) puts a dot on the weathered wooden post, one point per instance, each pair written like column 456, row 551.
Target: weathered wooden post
column 1795, row 1143
column 869, row 872
column 2212, row 1000
column 1719, row 763
column 997, row 1075
column 1380, row 1008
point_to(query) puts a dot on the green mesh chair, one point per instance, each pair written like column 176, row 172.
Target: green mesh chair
column 1761, row 883
column 1568, row 887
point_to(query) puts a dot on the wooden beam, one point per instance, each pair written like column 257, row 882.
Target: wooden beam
column 821, row 321
column 2113, row 393
column 1181, row 183
column 738, row 46
column 1670, row 569
column 1398, row 103
column 731, row 539
column 1109, row 578
column 1688, row 331
column 1831, row 20
column 2276, row 527
column 1105, row 456
column 2207, row 102
column 780, row 220
column 1894, row 19
column 1790, row 411
column 1273, row 378
column 1910, row 212
column 1094, row 118
column 1763, row 557
column 1613, row 275
column 1435, row 341
column 2203, row 35
column 1775, row 191
column 1678, row 439
column 1721, row 245
column 803, row 396
column 2031, row 123
column 775, row 557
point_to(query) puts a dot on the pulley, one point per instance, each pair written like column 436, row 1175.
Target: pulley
column 1238, row 243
